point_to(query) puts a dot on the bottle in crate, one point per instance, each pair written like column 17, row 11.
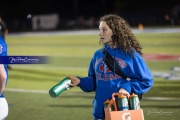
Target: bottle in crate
column 122, row 102
column 106, row 103
column 134, row 102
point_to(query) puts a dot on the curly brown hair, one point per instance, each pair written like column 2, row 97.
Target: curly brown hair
column 122, row 36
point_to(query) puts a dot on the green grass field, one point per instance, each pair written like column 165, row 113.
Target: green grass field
column 28, row 85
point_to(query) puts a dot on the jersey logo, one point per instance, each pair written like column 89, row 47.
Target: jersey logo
column 1, row 48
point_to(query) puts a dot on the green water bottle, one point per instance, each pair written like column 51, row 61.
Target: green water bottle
column 60, row 87
column 134, row 102
column 106, row 103
column 122, row 102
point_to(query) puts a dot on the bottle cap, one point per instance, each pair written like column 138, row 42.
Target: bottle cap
column 121, row 95
column 133, row 95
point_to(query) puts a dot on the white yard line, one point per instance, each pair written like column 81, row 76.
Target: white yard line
column 81, row 94
column 41, row 67
column 26, row 91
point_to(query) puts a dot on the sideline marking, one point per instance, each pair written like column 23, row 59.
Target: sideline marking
column 81, row 94
column 93, row 32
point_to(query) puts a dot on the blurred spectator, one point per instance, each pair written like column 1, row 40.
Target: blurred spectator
column 167, row 19
column 176, row 15
column 80, row 22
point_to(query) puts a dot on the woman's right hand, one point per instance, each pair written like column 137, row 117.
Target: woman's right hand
column 75, row 80
column 123, row 91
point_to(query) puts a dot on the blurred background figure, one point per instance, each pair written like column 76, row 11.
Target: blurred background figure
column 3, row 33
column 176, row 15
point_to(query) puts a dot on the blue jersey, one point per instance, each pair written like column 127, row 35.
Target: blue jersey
column 105, row 82
column 3, row 52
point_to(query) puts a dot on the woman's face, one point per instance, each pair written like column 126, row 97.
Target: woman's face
column 105, row 33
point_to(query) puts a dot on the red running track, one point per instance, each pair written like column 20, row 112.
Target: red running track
column 161, row 57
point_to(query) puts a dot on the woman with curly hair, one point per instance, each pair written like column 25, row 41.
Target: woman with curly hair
column 118, row 40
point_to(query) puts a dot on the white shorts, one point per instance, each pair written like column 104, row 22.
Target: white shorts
column 3, row 109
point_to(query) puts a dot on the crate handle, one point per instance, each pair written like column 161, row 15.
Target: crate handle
column 113, row 101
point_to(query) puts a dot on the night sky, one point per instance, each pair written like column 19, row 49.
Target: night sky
column 19, row 9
